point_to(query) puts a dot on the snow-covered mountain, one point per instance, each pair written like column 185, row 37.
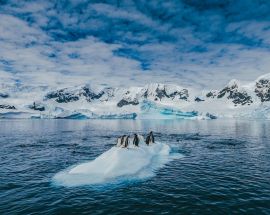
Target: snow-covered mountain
column 155, row 100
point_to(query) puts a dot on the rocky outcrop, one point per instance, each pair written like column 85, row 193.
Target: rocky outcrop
column 67, row 95
column 262, row 89
column 62, row 96
column 183, row 95
column 128, row 99
column 241, row 98
column 4, row 95
column 37, row 106
column 124, row 102
column 90, row 95
column 238, row 96
column 160, row 91
column 212, row 94
column 10, row 107
column 230, row 89
column 198, row 99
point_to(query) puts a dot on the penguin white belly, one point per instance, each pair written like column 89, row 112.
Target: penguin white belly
column 118, row 142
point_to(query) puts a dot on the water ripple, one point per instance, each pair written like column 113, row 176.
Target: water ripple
column 226, row 168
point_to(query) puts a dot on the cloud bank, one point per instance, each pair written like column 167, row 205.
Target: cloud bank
column 124, row 42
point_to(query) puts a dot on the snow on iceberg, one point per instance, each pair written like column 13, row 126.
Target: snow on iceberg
column 117, row 164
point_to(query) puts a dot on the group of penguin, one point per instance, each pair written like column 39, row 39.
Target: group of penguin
column 123, row 141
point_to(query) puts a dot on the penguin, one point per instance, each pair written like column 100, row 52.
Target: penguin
column 147, row 140
column 126, row 140
column 150, row 138
column 119, row 141
column 136, row 140
column 123, row 140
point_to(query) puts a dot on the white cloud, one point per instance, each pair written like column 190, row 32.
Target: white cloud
column 189, row 43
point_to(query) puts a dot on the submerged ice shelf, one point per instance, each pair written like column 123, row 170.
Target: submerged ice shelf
column 116, row 165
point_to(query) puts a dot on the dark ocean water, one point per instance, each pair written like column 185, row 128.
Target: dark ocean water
column 225, row 168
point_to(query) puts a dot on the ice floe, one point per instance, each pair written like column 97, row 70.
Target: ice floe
column 118, row 164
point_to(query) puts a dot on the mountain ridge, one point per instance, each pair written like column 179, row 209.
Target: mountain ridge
column 232, row 100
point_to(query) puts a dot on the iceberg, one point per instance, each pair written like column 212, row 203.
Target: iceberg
column 73, row 116
column 117, row 164
column 149, row 108
column 79, row 115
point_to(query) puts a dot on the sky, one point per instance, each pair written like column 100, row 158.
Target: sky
column 194, row 43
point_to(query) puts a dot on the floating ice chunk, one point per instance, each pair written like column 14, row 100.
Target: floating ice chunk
column 117, row 164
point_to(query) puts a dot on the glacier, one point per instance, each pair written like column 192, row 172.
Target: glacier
column 152, row 101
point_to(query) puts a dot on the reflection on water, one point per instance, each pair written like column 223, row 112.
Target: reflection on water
column 236, row 127
column 226, row 167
